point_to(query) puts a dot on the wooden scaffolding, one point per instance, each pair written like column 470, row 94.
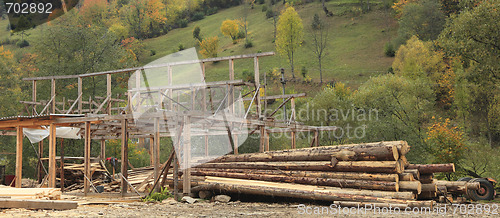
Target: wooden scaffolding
column 104, row 117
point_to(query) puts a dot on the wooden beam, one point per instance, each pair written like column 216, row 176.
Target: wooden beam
column 40, row 173
column 33, row 97
column 52, row 156
column 124, row 154
column 102, row 155
column 53, row 94
column 231, row 69
column 156, row 155
column 80, row 90
column 86, row 162
column 267, row 141
column 19, row 156
column 108, row 92
column 62, row 165
column 186, row 186
column 279, row 96
column 38, row 204
column 262, row 138
column 257, row 85
column 152, row 66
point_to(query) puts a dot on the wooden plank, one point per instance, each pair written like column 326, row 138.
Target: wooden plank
column 86, row 162
column 33, row 96
column 108, row 92
column 40, row 173
column 231, row 69
column 38, row 204
column 152, row 66
column 187, row 157
column 279, row 96
column 156, row 155
column 62, row 165
column 262, row 139
column 124, row 154
column 80, row 88
column 52, row 156
column 19, row 156
column 258, row 103
column 53, row 95
column 102, row 155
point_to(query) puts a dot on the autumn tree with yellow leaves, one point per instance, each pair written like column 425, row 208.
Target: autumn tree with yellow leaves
column 230, row 28
column 290, row 32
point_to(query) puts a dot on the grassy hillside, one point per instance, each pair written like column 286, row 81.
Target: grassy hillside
column 355, row 49
column 354, row 53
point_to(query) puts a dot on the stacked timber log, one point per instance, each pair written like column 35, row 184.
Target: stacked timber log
column 369, row 172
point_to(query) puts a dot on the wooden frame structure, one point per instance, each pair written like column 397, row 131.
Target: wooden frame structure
column 102, row 118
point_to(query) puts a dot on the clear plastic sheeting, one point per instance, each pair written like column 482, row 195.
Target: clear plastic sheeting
column 157, row 89
column 37, row 135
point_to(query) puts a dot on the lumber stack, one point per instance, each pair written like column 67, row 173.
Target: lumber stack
column 369, row 172
column 31, row 193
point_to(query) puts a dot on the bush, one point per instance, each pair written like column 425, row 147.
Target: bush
column 264, row 8
column 210, row 11
column 389, row 50
column 23, row 43
column 303, row 71
column 152, row 52
column 269, row 13
column 181, row 23
column 261, row 1
column 197, row 33
column 159, row 196
column 198, row 16
column 181, row 47
column 241, row 34
column 248, row 43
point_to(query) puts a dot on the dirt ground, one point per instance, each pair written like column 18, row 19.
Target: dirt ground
column 98, row 207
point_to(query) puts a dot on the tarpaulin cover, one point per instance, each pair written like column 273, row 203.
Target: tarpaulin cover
column 37, row 135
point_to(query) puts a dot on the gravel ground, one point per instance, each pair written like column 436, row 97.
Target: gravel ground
column 92, row 207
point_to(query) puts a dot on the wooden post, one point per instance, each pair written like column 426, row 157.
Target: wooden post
column 80, row 100
column 151, row 148
column 19, row 156
column 235, row 140
column 53, row 95
column 52, row 156
column 262, row 138
column 267, row 141
column 257, row 85
column 156, row 155
column 170, row 94
column 202, row 71
column 316, row 138
column 40, row 163
column 124, row 165
column 86, row 162
column 231, row 69
column 33, row 97
column 108, row 91
column 176, row 175
column 186, row 186
column 62, row 165
column 293, row 139
column 102, row 156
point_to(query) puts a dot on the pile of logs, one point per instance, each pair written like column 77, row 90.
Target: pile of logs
column 370, row 172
